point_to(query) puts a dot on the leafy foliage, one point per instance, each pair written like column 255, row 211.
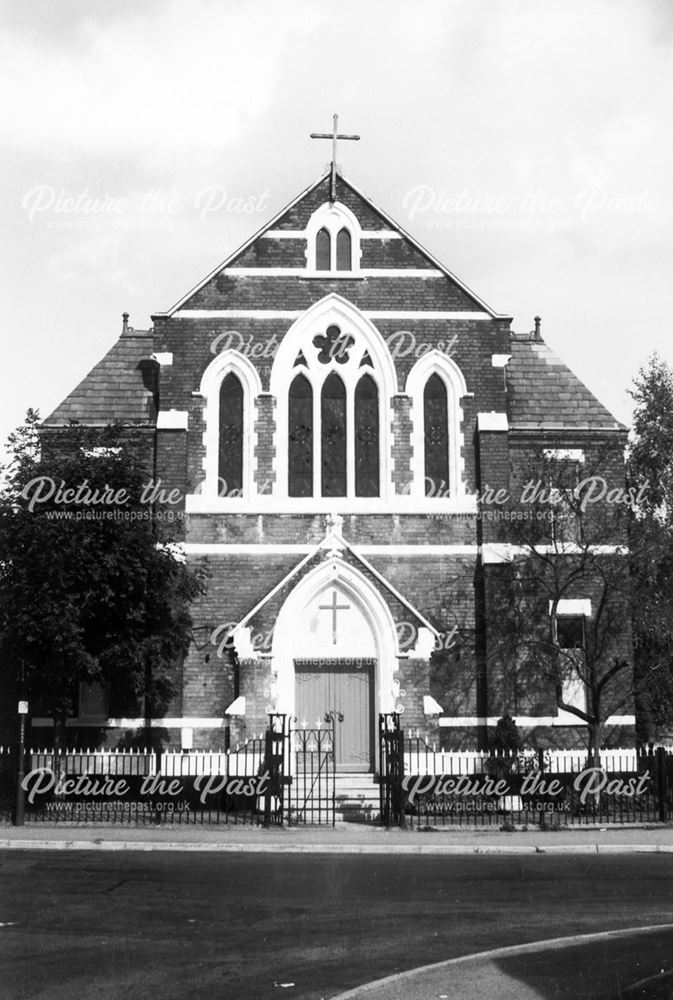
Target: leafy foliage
column 566, row 549
column 506, row 736
column 651, row 450
column 651, row 471
column 90, row 586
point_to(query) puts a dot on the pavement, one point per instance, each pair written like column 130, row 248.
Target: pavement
column 543, row 969
column 346, row 838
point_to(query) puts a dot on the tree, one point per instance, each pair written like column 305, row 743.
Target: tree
column 569, row 526
column 506, row 738
column 92, row 588
column 651, row 447
column 650, row 468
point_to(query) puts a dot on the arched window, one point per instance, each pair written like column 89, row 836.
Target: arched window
column 333, row 240
column 300, row 438
column 230, row 454
column 367, row 438
column 230, row 387
column 436, row 387
column 343, row 251
column 436, row 437
column 333, row 437
column 323, row 251
column 351, row 376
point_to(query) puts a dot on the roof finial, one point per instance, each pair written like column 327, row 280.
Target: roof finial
column 125, row 323
column 333, row 135
column 538, row 335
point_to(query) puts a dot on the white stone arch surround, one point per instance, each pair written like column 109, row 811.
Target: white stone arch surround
column 333, row 217
column 437, row 362
column 290, row 629
column 221, row 365
column 337, row 311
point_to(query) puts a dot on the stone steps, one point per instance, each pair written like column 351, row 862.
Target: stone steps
column 356, row 797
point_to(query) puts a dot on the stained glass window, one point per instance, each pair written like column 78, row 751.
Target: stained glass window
column 323, row 246
column 366, row 438
column 333, row 437
column 230, row 466
column 436, row 433
column 300, row 438
column 343, row 249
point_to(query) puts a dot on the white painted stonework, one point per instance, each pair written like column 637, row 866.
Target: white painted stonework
column 305, row 629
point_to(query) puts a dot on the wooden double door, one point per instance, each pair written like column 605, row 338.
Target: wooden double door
column 344, row 687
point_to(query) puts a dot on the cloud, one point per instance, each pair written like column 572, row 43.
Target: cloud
column 99, row 258
column 143, row 77
column 566, row 101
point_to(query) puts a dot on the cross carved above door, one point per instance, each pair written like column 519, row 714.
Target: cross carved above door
column 334, row 607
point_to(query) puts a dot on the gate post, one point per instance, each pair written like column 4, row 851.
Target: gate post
column 332, row 718
column 274, row 760
column 391, row 738
column 662, row 783
column 20, row 808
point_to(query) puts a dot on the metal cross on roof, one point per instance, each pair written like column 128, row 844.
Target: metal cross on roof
column 333, row 135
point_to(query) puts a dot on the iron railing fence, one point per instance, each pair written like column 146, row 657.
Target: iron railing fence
column 144, row 787
column 287, row 775
column 422, row 785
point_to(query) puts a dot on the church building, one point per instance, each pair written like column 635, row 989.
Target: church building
column 332, row 405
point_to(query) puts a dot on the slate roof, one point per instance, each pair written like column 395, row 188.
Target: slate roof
column 121, row 386
column 544, row 393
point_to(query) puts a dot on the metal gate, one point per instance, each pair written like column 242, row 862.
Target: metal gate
column 300, row 764
column 312, row 770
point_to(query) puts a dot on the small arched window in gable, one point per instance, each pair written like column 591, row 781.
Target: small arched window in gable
column 344, row 257
column 333, row 437
column 230, row 456
column 367, row 438
column 333, row 241
column 436, row 437
column 300, row 438
column 323, row 250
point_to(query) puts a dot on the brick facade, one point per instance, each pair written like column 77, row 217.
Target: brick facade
column 421, row 562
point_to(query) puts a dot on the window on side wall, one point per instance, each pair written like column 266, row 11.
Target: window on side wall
column 570, row 637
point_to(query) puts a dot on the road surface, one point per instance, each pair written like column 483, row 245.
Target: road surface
column 181, row 926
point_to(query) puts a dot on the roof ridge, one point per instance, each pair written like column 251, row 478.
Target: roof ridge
column 423, row 250
column 244, row 246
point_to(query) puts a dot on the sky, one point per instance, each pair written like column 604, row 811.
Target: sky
column 525, row 143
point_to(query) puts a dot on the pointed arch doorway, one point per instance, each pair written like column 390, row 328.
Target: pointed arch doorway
column 334, row 652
